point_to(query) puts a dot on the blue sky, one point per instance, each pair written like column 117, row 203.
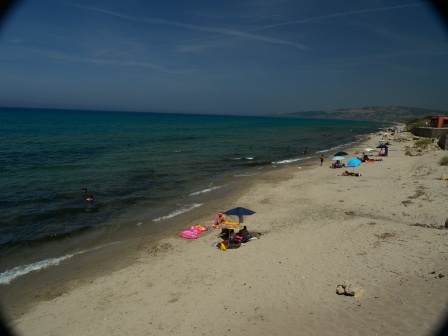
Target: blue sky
column 223, row 57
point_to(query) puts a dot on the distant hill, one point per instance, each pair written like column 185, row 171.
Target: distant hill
column 376, row 113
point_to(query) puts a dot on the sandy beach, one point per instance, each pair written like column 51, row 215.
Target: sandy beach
column 318, row 228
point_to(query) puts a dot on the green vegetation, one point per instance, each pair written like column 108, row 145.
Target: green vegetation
column 444, row 161
column 423, row 143
column 411, row 124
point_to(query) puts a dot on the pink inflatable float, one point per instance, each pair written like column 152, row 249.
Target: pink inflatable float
column 194, row 232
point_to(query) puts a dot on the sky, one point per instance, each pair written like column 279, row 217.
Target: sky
column 237, row 57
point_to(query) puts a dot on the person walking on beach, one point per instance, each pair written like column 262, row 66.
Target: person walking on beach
column 321, row 159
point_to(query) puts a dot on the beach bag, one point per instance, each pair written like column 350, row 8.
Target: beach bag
column 222, row 247
column 238, row 239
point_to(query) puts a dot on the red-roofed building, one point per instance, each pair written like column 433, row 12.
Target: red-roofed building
column 439, row 122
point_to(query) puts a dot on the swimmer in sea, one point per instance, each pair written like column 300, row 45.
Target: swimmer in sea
column 84, row 190
column 90, row 198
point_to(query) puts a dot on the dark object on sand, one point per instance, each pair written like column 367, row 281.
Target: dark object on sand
column 240, row 212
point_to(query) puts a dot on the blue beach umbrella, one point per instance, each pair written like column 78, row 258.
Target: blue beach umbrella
column 354, row 162
column 240, row 212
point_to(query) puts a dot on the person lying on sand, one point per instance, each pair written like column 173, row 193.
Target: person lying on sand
column 347, row 173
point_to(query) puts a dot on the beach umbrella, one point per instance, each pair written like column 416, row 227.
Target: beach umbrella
column 354, row 162
column 341, row 154
column 368, row 149
column 382, row 140
column 382, row 146
column 338, row 158
column 240, row 212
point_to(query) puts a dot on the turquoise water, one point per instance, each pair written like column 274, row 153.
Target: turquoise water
column 141, row 168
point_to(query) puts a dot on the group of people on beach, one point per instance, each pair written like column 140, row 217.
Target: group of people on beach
column 242, row 236
column 365, row 158
column 337, row 164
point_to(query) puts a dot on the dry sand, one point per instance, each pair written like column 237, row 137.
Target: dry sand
column 319, row 229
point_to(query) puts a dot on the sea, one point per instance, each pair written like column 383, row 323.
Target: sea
column 144, row 170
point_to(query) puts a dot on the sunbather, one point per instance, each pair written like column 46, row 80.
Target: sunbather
column 245, row 234
column 347, row 173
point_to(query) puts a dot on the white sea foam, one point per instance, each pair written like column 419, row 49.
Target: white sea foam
column 291, row 160
column 324, row 151
column 178, row 212
column 204, row 190
column 9, row 275
column 243, row 158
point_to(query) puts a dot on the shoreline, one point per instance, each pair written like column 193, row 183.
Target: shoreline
column 302, row 211
column 19, row 296
column 168, row 221
column 126, row 230
column 76, row 269
column 33, row 282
